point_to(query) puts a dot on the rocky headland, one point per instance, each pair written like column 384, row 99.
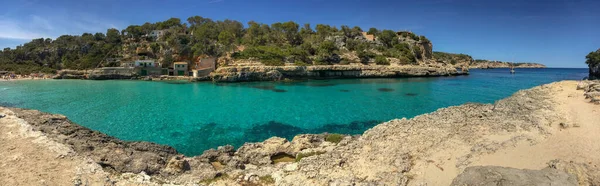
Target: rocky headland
column 490, row 64
column 540, row 136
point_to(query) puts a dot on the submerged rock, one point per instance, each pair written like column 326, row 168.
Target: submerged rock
column 385, row 90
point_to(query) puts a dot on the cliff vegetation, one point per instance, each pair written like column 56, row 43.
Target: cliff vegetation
column 175, row 40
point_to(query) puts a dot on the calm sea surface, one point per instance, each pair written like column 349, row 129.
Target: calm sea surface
column 193, row 117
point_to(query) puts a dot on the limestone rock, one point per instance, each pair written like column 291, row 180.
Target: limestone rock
column 274, row 75
column 261, row 153
column 222, row 154
column 305, row 141
column 177, row 164
column 494, row 176
column 267, row 73
column 586, row 174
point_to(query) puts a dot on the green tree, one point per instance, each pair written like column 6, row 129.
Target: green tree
column 113, row 36
column 327, row 48
column 373, row 31
column 593, row 58
column 306, row 30
column 325, row 30
column 197, row 20
column 227, row 39
column 170, row 23
column 290, row 30
column 388, row 38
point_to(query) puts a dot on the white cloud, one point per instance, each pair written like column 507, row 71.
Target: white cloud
column 52, row 26
column 12, row 29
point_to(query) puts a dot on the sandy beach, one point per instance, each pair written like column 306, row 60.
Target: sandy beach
column 563, row 126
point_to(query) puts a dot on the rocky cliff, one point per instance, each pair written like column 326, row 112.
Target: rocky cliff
column 274, row 73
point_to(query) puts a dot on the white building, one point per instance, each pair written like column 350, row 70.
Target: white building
column 157, row 33
column 128, row 64
column 145, row 63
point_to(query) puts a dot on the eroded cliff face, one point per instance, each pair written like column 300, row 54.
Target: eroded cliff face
column 275, row 73
column 426, row 49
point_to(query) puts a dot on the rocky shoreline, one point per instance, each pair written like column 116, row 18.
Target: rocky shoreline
column 275, row 73
column 398, row 152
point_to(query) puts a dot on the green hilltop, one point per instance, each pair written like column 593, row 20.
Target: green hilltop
column 172, row 40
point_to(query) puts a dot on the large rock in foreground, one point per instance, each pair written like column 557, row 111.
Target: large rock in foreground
column 499, row 176
column 273, row 73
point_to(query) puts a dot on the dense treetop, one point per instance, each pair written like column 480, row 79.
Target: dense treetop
column 593, row 58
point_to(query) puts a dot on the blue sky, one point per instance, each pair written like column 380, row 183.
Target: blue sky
column 558, row 33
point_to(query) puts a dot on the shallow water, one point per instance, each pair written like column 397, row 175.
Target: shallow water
column 193, row 117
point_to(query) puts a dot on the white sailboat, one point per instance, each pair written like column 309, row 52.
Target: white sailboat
column 512, row 66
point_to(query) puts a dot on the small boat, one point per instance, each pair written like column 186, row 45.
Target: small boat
column 512, row 70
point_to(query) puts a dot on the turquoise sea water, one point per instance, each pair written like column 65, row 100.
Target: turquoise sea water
column 193, row 117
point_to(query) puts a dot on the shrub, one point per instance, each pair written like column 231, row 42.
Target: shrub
column 300, row 63
column 304, row 155
column 334, row 138
column 345, row 61
column 273, row 62
column 381, row 60
column 424, row 39
column 323, row 59
column 216, row 178
column 365, row 56
column 327, row 48
column 267, row 180
column 404, row 60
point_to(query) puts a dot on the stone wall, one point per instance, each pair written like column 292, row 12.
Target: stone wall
column 112, row 73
